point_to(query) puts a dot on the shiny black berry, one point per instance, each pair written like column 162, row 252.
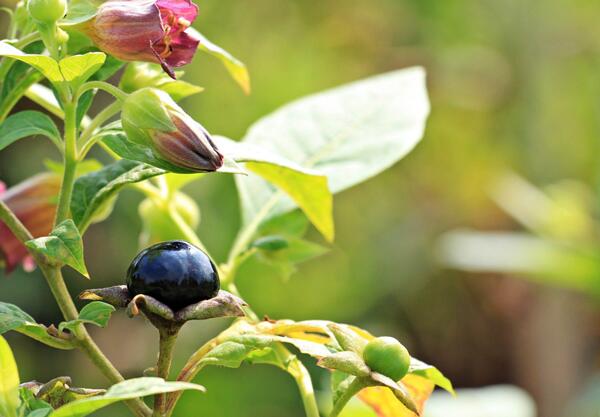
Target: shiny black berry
column 175, row 273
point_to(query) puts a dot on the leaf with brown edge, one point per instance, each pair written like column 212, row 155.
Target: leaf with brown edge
column 385, row 403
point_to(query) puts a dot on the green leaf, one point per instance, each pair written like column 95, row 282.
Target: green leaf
column 96, row 313
column 46, row 65
column 349, row 134
column 309, row 192
column 77, row 69
column 236, row 68
column 126, row 390
column 27, row 123
column 62, row 247
column 306, row 187
column 79, row 11
column 92, row 192
column 283, row 253
column 117, row 141
column 19, row 71
column 9, row 381
column 29, row 402
column 13, row 318
column 431, row 373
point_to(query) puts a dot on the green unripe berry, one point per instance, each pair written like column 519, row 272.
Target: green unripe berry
column 47, row 11
column 387, row 356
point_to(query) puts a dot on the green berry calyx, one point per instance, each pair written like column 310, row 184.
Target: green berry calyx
column 387, row 356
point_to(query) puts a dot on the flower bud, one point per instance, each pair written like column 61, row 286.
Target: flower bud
column 151, row 118
column 47, row 11
column 34, row 203
column 145, row 30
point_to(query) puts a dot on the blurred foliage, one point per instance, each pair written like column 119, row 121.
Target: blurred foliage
column 513, row 84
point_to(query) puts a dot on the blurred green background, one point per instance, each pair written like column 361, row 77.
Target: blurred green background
column 513, row 84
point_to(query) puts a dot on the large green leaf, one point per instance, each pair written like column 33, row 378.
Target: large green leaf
column 9, row 381
column 349, row 134
column 13, row 318
column 126, row 390
column 27, row 123
column 46, row 65
column 77, row 69
column 94, row 191
column 306, row 187
column 62, row 247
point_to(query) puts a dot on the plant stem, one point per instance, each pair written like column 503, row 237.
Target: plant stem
column 101, row 85
column 65, row 302
column 163, row 366
column 354, row 388
column 70, row 162
column 295, row 368
column 87, row 138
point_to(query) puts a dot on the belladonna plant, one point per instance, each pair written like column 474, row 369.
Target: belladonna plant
column 286, row 169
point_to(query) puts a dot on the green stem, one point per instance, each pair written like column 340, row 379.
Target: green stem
column 87, row 138
column 167, row 341
column 65, row 302
column 101, row 85
column 354, row 388
column 70, row 162
column 295, row 368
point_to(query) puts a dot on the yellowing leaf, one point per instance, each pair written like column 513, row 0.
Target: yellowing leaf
column 44, row 64
column 9, row 381
column 385, row 403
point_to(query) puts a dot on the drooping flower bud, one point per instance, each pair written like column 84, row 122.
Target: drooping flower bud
column 151, row 118
column 34, row 203
column 145, row 30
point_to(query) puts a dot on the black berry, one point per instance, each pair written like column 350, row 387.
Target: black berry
column 175, row 273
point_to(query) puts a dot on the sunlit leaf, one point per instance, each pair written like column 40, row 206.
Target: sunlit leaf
column 76, row 69
column 9, row 381
column 349, row 134
column 46, row 65
column 234, row 66
column 383, row 401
